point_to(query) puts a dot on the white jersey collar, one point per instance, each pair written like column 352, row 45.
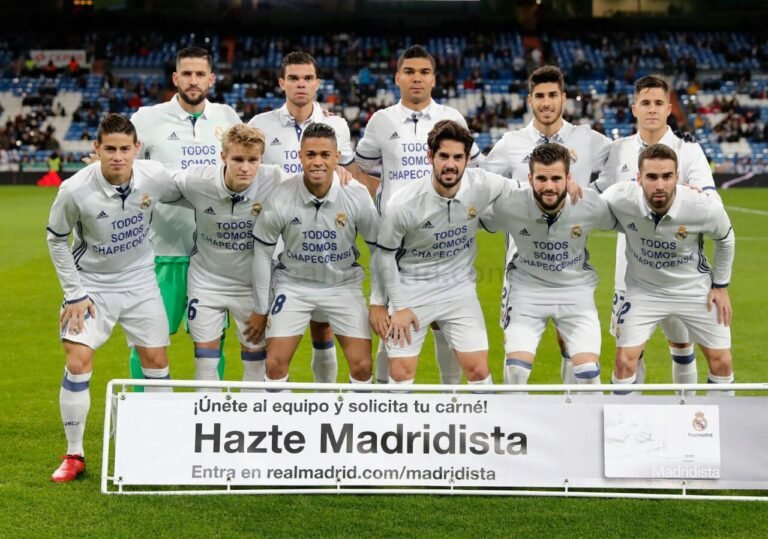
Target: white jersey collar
column 428, row 112
column 180, row 112
column 287, row 120
column 108, row 188
column 668, row 139
column 309, row 198
column 539, row 138
column 223, row 190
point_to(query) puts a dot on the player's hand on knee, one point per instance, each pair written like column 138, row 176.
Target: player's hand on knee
column 378, row 317
column 254, row 328
column 400, row 326
column 73, row 315
column 722, row 302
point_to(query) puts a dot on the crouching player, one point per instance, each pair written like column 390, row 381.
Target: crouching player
column 317, row 272
column 108, row 273
column 667, row 272
column 227, row 200
column 550, row 275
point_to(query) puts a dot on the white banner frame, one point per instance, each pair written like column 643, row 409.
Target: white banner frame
column 118, row 387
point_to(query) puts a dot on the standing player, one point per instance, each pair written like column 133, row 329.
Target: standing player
column 395, row 143
column 549, row 275
column 284, row 127
column 107, row 276
column 652, row 108
column 227, row 199
column 179, row 133
column 510, row 156
column 317, row 273
column 427, row 251
column 667, row 271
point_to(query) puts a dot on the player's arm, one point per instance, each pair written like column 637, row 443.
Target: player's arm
column 143, row 128
column 609, row 174
column 510, row 202
column 368, row 225
column 498, row 159
column 476, row 156
column 724, row 252
column 601, row 148
column 368, row 152
column 603, row 216
column 697, row 172
column 63, row 217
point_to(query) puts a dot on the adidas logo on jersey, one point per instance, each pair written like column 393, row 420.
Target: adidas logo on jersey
column 173, row 136
column 209, row 211
column 428, row 224
column 632, row 227
column 394, row 136
column 295, row 221
column 526, row 158
column 524, row 232
column 275, row 142
column 625, row 168
column 102, row 215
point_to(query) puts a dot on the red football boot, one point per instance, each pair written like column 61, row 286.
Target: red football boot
column 71, row 468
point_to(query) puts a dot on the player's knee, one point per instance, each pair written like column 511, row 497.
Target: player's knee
column 477, row 371
column 277, row 367
column 720, row 362
column 79, row 358
column 401, row 370
column 153, row 358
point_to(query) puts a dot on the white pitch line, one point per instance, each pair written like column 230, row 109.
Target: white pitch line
column 746, row 210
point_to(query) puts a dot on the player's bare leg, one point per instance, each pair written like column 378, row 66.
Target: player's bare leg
column 450, row 370
column 402, row 370
column 626, row 363
column 475, row 366
column 325, row 366
column 154, row 366
column 720, row 363
column 280, row 351
column 358, row 354
column 566, row 363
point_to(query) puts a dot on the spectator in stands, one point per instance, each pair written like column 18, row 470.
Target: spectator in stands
column 73, row 67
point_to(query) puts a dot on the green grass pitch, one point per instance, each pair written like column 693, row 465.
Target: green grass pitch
column 31, row 437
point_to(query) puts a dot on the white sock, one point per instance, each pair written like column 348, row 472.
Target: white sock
column 684, row 365
column 566, row 370
column 283, row 379
column 206, row 366
column 587, row 373
column 631, row 380
column 640, row 370
column 487, row 381
column 254, row 367
column 516, row 371
column 382, row 364
column 158, row 374
column 324, row 363
column 367, row 382
column 712, row 379
column 408, row 382
column 74, row 403
column 450, row 370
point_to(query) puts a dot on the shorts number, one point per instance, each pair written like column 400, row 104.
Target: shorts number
column 191, row 311
column 624, row 310
column 507, row 317
column 277, row 306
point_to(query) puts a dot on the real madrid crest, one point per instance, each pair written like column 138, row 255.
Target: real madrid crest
column 682, row 233
column 341, row 219
column 256, row 209
column 218, row 132
column 146, row 202
column 574, row 156
column 699, row 421
column 472, row 213
column 576, row 231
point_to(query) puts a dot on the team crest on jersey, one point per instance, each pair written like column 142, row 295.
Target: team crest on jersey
column 218, row 132
column 146, row 202
column 341, row 219
column 573, row 154
column 699, row 422
column 576, row 232
column 682, row 233
column 256, row 209
column 472, row 213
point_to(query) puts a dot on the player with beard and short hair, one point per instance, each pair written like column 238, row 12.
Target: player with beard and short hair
column 510, row 156
column 549, row 276
column 182, row 132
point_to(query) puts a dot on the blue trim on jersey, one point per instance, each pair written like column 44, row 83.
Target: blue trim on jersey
column 361, row 156
column 479, row 151
column 52, row 231
column 370, row 243
column 726, row 235
column 586, row 265
column 703, row 265
column 482, row 224
column 207, row 353
column 516, row 362
column 709, row 188
column 715, row 285
column 596, row 187
column 323, row 345
column 264, row 242
column 78, row 300
column 380, row 246
column 684, row 360
column 349, row 163
column 75, row 387
column 258, row 355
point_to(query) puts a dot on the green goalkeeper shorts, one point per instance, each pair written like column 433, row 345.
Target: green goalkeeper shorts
column 171, row 272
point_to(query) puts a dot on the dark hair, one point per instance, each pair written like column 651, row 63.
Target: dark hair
column 650, row 81
column 416, row 51
column 194, row 52
column 320, row 130
column 297, row 58
column 546, row 74
column 549, row 154
column 115, row 123
column 449, row 130
column 656, row 151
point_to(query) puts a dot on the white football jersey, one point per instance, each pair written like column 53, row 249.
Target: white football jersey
column 283, row 136
column 168, row 134
column 395, row 143
column 110, row 251
column 666, row 256
column 222, row 257
column 551, row 265
column 433, row 238
column 319, row 235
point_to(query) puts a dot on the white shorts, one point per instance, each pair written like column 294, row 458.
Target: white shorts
column 578, row 325
column 674, row 330
column 140, row 313
column 461, row 322
column 638, row 319
column 207, row 316
column 344, row 308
